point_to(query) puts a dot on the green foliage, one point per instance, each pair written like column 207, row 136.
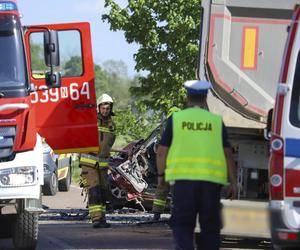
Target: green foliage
column 112, row 78
column 168, row 33
column 118, row 82
column 101, row 81
column 135, row 122
column 76, row 171
column 73, row 67
column 37, row 58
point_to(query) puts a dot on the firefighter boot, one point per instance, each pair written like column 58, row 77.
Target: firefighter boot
column 156, row 217
column 100, row 224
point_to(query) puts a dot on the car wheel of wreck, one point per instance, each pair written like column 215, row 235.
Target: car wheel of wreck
column 118, row 196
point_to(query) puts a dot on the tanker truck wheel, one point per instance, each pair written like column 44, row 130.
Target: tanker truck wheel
column 25, row 230
column 276, row 247
column 6, row 220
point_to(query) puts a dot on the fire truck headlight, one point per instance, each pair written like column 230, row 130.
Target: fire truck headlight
column 16, row 177
column 4, row 180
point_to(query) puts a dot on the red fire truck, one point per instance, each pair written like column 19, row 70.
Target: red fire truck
column 42, row 95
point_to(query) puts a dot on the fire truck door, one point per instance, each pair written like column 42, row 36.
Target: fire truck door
column 66, row 117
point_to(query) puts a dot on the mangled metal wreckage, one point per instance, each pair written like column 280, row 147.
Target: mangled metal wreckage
column 133, row 176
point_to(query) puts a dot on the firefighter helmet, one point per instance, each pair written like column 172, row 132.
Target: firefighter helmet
column 104, row 98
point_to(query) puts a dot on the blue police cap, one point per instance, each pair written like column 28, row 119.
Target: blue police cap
column 195, row 87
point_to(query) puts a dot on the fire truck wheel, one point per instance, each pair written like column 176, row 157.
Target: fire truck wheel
column 51, row 187
column 25, row 230
column 64, row 184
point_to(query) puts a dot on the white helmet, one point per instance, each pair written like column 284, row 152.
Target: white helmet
column 104, row 98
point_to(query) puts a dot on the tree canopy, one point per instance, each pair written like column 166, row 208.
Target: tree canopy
column 73, row 67
column 37, row 58
column 167, row 33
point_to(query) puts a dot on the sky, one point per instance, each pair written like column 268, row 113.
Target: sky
column 106, row 44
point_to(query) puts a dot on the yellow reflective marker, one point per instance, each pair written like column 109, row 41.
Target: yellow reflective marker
column 249, row 48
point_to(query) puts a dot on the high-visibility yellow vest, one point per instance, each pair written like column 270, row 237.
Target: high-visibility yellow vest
column 196, row 152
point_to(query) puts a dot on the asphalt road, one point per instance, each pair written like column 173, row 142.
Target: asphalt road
column 61, row 231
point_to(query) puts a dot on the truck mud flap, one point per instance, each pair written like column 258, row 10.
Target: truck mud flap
column 6, row 221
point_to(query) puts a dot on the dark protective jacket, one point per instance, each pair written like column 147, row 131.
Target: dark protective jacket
column 107, row 136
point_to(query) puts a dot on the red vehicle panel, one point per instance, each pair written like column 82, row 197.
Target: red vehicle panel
column 66, row 116
column 11, row 116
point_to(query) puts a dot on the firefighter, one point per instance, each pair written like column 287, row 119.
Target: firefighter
column 162, row 191
column 95, row 165
column 195, row 157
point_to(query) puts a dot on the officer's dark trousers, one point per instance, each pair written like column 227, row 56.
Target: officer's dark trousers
column 189, row 199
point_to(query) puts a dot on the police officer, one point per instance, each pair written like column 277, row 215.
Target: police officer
column 95, row 165
column 162, row 190
column 195, row 157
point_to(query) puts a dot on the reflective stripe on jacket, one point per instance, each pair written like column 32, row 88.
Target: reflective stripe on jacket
column 88, row 160
column 196, row 152
column 103, row 162
column 105, row 130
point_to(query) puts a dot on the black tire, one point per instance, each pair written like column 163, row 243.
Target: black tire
column 51, row 187
column 115, row 198
column 6, row 222
column 64, row 185
column 25, row 230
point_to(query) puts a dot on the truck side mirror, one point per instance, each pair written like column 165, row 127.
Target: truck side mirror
column 51, row 52
column 53, row 79
column 51, row 48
